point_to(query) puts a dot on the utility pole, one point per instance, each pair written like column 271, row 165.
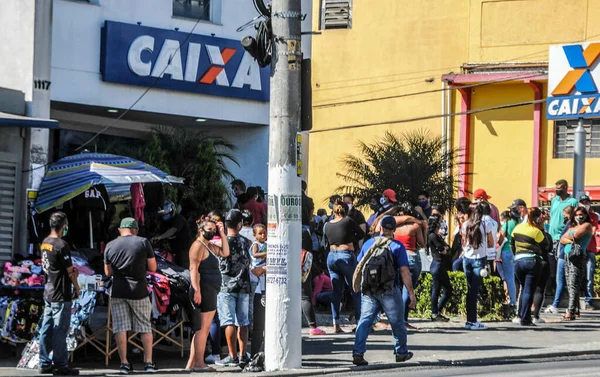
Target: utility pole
column 283, row 331
column 579, row 161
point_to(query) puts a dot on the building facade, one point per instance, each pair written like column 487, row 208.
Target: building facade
column 400, row 65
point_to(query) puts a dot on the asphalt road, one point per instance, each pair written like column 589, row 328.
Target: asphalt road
column 580, row 367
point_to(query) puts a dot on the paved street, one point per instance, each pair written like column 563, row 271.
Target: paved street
column 433, row 344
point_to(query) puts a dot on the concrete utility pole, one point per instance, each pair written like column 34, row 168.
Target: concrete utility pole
column 579, row 160
column 283, row 335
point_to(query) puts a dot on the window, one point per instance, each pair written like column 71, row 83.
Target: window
column 196, row 9
column 564, row 138
column 336, row 14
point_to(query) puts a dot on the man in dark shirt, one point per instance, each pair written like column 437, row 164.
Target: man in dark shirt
column 56, row 260
column 234, row 297
column 176, row 230
column 356, row 215
column 127, row 259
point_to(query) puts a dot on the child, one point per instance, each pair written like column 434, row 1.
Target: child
column 258, row 251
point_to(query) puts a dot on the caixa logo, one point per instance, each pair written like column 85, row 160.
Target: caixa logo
column 139, row 55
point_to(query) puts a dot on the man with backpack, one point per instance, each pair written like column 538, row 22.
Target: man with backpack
column 382, row 263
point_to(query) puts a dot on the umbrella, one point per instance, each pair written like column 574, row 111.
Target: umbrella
column 73, row 175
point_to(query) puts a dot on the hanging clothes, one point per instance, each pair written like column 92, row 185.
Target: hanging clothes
column 138, row 202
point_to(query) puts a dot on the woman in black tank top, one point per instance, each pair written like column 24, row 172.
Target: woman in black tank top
column 206, row 282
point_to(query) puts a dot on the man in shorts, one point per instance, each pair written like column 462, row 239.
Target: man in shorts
column 234, row 297
column 127, row 259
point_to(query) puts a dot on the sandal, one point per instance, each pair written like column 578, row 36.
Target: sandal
column 568, row 317
column 205, row 369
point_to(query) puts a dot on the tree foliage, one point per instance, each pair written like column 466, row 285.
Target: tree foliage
column 408, row 163
column 192, row 155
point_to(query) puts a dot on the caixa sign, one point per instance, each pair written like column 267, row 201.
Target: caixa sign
column 141, row 55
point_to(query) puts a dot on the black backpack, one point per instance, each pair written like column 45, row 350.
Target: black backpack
column 378, row 272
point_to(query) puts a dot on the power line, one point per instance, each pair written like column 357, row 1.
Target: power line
column 474, row 111
column 145, row 91
column 518, row 77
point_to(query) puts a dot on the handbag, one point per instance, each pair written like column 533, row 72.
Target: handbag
column 576, row 251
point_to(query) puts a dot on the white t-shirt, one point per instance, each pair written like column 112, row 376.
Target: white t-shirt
column 469, row 251
column 490, row 226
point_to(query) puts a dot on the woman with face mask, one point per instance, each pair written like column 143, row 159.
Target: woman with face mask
column 205, row 277
column 579, row 233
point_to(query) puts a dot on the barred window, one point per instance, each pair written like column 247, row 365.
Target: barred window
column 336, row 14
column 196, row 9
column 564, row 138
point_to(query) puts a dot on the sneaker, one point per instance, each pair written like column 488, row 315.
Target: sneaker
column 403, row 358
column 66, row 372
column 228, row 362
column 551, row 310
column 516, row 321
column 439, row 318
column 150, row 368
column 317, row 331
column 212, row 359
column 245, row 360
column 125, row 368
column 46, row 370
column 475, row 326
column 528, row 323
column 538, row 320
column 359, row 360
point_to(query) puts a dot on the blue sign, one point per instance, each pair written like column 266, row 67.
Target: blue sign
column 141, row 55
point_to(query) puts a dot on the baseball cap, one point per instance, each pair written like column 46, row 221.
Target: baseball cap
column 481, row 194
column 388, row 222
column 390, row 194
column 583, row 198
column 518, row 202
column 129, row 222
column 233, row 217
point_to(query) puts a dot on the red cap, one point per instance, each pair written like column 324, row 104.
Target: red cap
column 481, row 194
column 390, row 194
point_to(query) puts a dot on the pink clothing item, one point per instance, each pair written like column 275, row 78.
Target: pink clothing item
column 321, row 283
column 138, row 202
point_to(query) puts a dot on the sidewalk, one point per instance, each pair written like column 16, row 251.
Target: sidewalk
column 433, row 343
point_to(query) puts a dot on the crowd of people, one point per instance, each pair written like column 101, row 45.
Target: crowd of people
column 370, row 264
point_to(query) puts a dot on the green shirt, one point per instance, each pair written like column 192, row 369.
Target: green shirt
column 508, row 228
column 556, row 217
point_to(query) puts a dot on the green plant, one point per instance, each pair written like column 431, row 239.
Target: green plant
column 408, row 163
column 489, row 306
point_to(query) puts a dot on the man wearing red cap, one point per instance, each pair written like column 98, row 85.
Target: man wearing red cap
column 481, row 196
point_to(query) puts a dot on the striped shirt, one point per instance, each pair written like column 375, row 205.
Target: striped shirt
column 526, row 240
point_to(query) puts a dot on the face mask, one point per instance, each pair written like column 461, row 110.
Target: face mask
column 579, row 219
column 560, row 192
column 65, row 231
column 565, row 219
column 424, row 203
column 349, row 207
column 382, row 201
column 208, row 235
column 514, row 213
column 330, row 205
column 374, row 207
column 587, row 207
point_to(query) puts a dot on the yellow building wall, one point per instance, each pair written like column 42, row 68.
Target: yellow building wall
column 393, row 50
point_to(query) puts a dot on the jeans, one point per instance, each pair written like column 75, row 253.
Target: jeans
column 590, row 270
column 390, row 304
column 528, row 272
column 414, row 265
column 440, row 279
column 324, row 298
column 508, row 274
column 341, row 265
column 540, row 289
column 560, row 281
column 307, row 307
column 53, row 334
column 457, row 265
column 473, row 269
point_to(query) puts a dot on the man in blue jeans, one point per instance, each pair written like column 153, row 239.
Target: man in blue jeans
column 56, row 259
column 390, row 302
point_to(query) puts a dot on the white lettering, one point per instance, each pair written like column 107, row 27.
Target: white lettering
column 191, row 64
column 552, row 107
column 248, row 73
column 565, row 109
column 169, row 61
column 134, row 55
column 214, row 54
column 597, row 107
column 575, row 107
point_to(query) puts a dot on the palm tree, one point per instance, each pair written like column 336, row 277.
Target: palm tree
column 408, row 163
